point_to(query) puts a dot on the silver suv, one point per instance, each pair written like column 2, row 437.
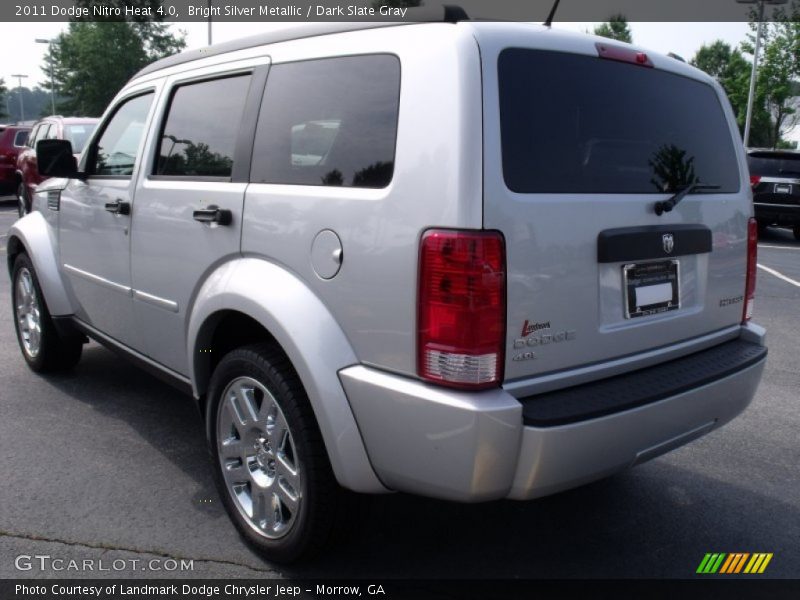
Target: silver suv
column 464, row 260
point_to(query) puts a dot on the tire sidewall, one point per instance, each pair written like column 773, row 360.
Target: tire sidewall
column 240, row 363
column 24, row 262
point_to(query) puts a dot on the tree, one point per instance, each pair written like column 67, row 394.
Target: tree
column 36, row 102
column 775, row 106
column 729, row 67
column 616, row 28
column 92, row 60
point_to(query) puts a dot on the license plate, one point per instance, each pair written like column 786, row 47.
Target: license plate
column 651, row 288
column 783, row 188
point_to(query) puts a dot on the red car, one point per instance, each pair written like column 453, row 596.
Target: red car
column 12, row 142
column 75, row 129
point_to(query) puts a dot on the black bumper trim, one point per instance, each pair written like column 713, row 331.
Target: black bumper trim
column 624, row 392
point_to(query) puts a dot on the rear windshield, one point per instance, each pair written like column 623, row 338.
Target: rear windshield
column 774, row 165
column 582, row 124
column 78, row 135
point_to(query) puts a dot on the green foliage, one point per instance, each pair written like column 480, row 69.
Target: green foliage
column 616, row 28
column 673, row 170
column 36, row 101
column 775, row 108
column 92, row 60
column 729, row 67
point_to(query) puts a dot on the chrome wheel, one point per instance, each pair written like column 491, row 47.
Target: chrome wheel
column 29, row 313
column 258, row 458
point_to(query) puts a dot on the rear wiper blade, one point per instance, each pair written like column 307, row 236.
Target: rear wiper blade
column 663, row 206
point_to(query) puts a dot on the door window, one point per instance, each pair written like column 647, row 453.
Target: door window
column 330, row 122
column 199, row 135
column 116, row 150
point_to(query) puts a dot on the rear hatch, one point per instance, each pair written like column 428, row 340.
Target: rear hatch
column 581, row 141
column 775, row 177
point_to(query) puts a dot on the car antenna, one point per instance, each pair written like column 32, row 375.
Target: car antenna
column 552, row 14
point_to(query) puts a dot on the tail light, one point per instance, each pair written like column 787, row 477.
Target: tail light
column 752, row 258
column 755, row 180
column 462, row 308
column 623, row 54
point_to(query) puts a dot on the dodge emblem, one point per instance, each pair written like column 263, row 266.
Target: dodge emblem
column 669, row 242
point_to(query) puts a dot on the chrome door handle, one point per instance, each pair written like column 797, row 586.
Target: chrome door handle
column 213, row 214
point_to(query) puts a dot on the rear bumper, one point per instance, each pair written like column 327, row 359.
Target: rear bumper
column 781, row 214
column 473, row 447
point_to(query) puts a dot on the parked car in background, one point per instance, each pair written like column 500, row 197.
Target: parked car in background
column 775, row 178
column 75, row 129
column 12, row 142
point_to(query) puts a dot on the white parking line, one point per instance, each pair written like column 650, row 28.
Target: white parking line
column 779, row 247
column 779, row 275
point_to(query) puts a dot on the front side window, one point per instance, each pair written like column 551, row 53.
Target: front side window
column 199, row 135
column 329, row 122
column 583, row 124
column 116, row 150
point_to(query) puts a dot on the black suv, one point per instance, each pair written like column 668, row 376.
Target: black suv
column 775, row 177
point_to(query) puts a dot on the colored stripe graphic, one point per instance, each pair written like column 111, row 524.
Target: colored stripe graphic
column 734, row 563
column 728, row 564
column 711, row 563
column 758, row 563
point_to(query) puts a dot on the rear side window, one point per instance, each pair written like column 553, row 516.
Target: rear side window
column 329, row 122
column 199, row 135
column 21, row 138
column 774, row 164
column 582, row 124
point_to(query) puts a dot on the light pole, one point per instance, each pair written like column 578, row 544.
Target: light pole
column 751, row 94
column 21, row 100
column 52, row 79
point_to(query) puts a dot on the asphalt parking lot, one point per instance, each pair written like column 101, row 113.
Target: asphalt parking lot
column 108, row 462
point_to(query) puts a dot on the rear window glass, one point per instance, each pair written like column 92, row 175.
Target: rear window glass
column 329, row 122
column 582, row 124
column 774, row 165
column 78, row 135
column 21, row 138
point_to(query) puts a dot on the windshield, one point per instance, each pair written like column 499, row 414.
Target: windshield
column 773, row 164
column 78, row 135
column 581, row 124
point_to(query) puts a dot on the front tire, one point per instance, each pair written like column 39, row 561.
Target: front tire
column 42, row 347
column 269, row 461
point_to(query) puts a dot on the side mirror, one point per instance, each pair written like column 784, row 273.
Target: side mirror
column 55, row 159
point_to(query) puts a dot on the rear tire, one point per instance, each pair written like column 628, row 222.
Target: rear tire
column 269, row 461
column 43, row 348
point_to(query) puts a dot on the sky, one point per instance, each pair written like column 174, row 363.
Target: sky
column 21, row 54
